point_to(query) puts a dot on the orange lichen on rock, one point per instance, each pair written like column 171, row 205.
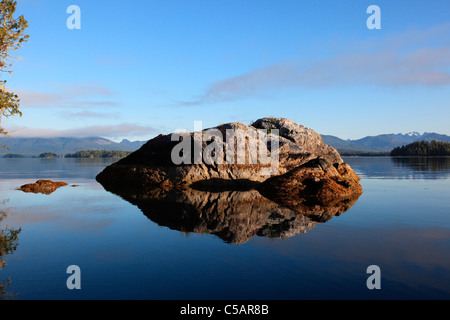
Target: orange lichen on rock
column 317, row 181
column 42, row 186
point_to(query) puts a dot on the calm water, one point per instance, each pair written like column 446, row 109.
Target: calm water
column 401, row 223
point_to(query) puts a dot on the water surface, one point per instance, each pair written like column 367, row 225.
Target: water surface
column 401, row 223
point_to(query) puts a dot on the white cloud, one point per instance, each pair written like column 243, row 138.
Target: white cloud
column 86, row 114
column 414, row 58
column 68, row 96
column 110, row 131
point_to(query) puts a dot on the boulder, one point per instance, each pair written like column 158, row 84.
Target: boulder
column 42, row 186
column 152, row 166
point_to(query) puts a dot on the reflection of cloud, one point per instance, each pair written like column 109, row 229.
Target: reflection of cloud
column 405, row 256
column 402, row 60
column 387, row 246
column 39, row 215
column 48, row 210
column 118, row 130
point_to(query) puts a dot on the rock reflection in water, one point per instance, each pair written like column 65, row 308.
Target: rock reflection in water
column 233, row 216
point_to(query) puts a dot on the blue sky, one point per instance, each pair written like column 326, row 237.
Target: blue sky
column 139, row 68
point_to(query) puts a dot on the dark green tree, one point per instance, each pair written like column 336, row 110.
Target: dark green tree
column 423, row 149
column 98, row 154
column 12, row 37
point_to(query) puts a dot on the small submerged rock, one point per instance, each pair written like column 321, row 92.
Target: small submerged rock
column 42, row 186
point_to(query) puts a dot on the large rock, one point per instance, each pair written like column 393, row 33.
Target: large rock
column 152, row 167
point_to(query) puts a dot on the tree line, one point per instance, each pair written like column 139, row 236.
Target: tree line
column 423, row 148
column 98, row 154
column 78, row 154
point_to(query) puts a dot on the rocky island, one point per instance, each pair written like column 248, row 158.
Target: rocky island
column 152, row 165
column 42, row 186
column 310, row 183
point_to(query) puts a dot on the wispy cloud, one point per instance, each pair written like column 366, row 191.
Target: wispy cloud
column 68, row 96
column 110, row 131
column 85, row 114
column 413, row 58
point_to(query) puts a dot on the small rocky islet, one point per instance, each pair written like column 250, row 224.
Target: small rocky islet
column 42, row 186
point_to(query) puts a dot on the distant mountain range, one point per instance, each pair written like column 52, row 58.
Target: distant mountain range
column 62, row 146
column 383, row 142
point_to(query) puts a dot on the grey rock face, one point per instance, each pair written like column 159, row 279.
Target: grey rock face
column 301, row 137
column 152, row 165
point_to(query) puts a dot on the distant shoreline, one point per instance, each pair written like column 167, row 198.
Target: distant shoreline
column 20, row 156
column 363, row 154
column 84, row 154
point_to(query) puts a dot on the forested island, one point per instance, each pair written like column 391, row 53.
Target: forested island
column 13, row 156
column 48, row 155
column 98, row 154
column 423, row 149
